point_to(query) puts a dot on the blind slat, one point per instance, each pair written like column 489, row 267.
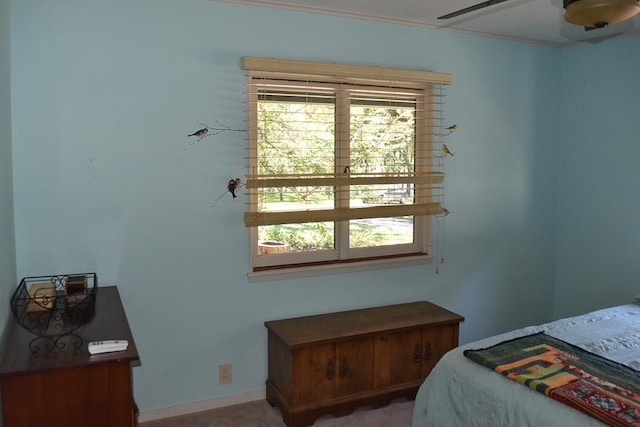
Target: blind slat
column 255, row 219
column 431, row 178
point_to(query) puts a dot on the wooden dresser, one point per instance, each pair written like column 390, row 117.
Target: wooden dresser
column 70, row 387
column 333, row 363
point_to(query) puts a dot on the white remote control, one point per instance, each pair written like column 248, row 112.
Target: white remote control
column 96, row 347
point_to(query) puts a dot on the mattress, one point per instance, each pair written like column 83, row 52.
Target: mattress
column 459, row 392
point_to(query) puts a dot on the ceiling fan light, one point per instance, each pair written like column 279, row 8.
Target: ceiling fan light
column 598, row 13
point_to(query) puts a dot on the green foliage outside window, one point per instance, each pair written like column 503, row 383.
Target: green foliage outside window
column 296, row 135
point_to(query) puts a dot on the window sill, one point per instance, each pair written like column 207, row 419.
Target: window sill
column 337, row 268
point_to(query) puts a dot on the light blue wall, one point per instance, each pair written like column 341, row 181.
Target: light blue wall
column 7, row 243
column 599, row 208
column 104, row 93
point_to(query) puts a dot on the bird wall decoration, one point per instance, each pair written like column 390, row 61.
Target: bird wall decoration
column 446, row 151
column 200, row 133
column 448, row 130
column 451, row 129
column 232, row 186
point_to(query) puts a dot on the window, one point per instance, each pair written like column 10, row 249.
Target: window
column 345, row 168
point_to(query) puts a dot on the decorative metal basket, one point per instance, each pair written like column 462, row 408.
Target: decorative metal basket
column 53, row 307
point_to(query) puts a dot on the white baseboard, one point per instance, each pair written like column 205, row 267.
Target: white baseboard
column 204, row 405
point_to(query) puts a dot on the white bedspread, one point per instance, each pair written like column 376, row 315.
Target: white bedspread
column 459, row 392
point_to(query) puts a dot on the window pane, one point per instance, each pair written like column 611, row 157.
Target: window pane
column 382, row 137
column 296, row 137
column 299, row 237
column 287, row 238
column 364, row 233
column 382, row 142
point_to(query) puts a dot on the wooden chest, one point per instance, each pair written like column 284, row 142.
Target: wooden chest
column 333, row 363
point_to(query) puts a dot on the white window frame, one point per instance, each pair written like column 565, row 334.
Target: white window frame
column 341, row 79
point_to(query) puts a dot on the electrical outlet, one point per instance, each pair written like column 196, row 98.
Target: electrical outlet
column 224, row 373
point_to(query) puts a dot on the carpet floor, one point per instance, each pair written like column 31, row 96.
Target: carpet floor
column 260, row 414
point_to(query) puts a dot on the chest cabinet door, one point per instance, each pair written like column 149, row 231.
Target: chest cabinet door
column 314, row 372
column 327, row 371
column 354, row 366
column 403, row 357
column 435, row 343
column 398, row 358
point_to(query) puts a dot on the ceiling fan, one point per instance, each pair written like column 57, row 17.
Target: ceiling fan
column 590, row 14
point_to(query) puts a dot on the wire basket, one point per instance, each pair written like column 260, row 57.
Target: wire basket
column 55, row 306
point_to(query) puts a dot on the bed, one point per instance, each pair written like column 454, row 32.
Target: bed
column 461, row 392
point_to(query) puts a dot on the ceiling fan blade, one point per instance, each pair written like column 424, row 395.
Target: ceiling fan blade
column 471, row 9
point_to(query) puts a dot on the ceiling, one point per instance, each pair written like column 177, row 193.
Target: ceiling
column 537, row 21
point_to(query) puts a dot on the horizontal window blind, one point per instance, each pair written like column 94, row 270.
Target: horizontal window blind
column 253, row 219
column 332, row 143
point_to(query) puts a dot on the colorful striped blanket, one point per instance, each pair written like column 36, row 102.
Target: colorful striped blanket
column 599, row 387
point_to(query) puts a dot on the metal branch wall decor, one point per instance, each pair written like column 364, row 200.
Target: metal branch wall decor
column 206, row 131
column 446, row 152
